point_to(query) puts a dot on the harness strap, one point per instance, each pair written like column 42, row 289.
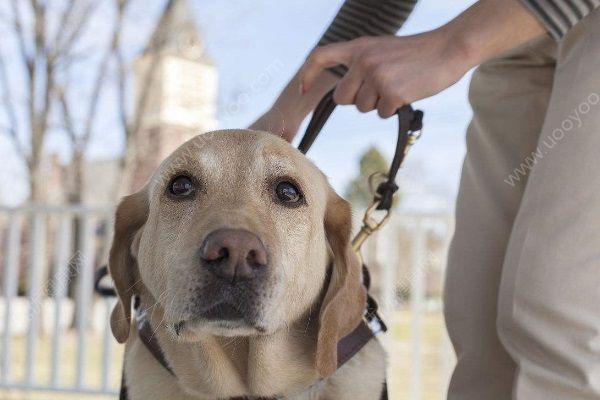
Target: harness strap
column 148, row 338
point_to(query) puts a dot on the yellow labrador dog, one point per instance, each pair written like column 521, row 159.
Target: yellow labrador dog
column 239, row 253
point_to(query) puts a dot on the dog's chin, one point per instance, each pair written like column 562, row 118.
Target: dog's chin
column 195, row 330
column 218, row 320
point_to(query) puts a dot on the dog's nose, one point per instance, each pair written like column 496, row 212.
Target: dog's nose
column 233, row 254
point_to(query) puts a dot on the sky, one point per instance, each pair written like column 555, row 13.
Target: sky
column 257, row 46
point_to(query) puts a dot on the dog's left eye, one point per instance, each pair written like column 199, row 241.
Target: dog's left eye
column 181, row 186
column 288, row 193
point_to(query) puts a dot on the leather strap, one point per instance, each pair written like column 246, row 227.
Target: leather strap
column 409, row 121
column 148, row 338
column 349, row 345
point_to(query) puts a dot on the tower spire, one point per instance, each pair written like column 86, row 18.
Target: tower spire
column 176, row 32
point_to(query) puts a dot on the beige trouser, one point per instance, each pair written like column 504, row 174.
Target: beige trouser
column 522, row 301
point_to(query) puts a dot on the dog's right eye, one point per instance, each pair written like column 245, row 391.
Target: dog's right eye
column 181, row 186
column 288, row 194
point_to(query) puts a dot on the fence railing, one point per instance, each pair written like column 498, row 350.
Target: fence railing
column 55, row 334
column 48, row 258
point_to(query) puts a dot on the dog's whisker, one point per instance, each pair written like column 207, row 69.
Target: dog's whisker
column 157, row 328
column 135, row 283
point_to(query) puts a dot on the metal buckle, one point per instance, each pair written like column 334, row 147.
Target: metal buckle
column 369, row 226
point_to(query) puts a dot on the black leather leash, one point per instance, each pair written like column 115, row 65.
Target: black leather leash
column 410, row 122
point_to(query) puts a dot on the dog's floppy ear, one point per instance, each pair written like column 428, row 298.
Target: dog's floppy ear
column 345, row 299
column 130, row 217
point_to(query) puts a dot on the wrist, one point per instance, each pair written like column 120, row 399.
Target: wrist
column 462, row 48
column 296, row 104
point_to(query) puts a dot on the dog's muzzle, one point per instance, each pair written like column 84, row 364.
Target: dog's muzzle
column 235, row 265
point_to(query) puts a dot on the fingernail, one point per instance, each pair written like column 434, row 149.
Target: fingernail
column 301, row 89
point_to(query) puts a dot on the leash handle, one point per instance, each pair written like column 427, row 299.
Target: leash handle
column 410, row 124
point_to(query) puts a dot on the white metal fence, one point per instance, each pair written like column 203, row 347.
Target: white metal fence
column 46, row 253
column 54, row 330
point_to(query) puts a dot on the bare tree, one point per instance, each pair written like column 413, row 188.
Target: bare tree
column 79, row 135
column 52, row 38
column 43, row 49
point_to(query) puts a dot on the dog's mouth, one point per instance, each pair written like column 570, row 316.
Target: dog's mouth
column 222, row 312
column 223, row 316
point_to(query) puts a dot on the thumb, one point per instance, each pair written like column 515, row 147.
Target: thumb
column 321, row 58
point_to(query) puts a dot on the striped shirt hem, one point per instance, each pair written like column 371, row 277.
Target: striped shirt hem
column 559, row 16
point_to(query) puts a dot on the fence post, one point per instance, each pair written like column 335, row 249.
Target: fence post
column 10, row 288
column 417, row 297
column 389, row 271
column 84, row 294
column 37, row 258
column 60, row 283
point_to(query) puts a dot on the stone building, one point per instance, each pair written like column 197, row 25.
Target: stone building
column 174, row 99
column 176, row 90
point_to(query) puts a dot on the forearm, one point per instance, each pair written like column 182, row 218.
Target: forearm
column 489, row 28
column 294, row 104
column 291, row 107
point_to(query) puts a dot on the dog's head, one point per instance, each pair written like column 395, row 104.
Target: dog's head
column 234, row 236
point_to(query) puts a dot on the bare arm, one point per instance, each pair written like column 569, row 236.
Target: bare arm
column 291, row 107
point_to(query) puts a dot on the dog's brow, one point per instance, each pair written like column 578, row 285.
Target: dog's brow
column 279, row 164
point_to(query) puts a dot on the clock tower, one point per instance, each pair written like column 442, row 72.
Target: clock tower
column 175, row 91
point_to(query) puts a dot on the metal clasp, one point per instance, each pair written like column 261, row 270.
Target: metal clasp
column 369, row 226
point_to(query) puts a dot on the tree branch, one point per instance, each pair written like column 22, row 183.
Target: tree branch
column 62, row 26
column 67, row 116
column 18, row 25
column 9, row 109
column 115, row 42
column 64, row 49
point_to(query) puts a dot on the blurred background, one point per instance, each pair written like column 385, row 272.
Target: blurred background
column 95, row 93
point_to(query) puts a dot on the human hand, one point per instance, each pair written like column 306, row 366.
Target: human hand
column 385, row 73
